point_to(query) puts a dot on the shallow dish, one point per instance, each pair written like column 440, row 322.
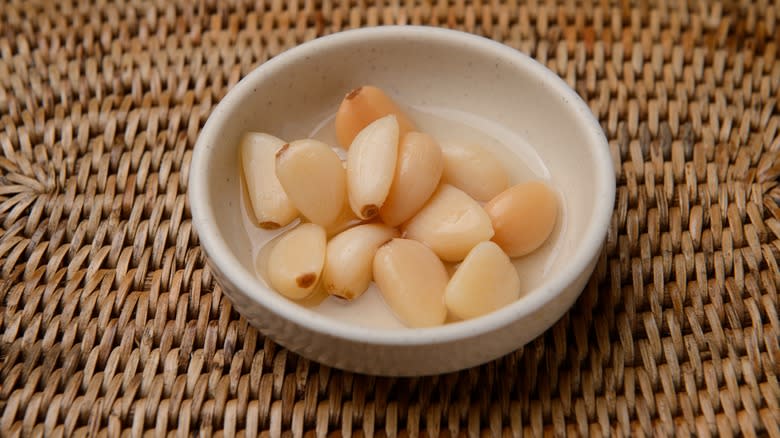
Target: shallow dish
column 428, row 70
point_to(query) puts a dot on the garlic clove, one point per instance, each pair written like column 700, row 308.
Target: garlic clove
column 313, row 177
column 362, row 106
column 371, row 165
column 474, row 169
column 451, row 224
column 417, row 173
column 485, row 281
column 270, row 204
column 295, row 261
column 523, row 217
column 412, row 281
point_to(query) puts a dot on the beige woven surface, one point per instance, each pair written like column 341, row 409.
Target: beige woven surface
column 110, row 321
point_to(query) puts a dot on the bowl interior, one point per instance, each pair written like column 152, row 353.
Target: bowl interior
column 459, row 77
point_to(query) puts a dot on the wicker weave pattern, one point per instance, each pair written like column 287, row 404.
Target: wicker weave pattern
column 110, row 321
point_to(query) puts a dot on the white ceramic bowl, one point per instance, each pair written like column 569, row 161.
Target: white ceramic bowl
column 424, row 68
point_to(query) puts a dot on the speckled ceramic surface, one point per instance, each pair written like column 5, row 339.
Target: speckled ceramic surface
column 423, row 68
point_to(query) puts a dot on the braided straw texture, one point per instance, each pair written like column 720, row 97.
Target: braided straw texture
column 111, row 323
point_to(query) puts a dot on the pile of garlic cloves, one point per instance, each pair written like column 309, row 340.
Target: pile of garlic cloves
column 394, row 212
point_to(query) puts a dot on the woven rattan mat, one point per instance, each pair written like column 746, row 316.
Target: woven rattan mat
column 111, row 322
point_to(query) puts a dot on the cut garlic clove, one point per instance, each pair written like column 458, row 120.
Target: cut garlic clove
column 370, row 166
column 363, row 106
column 475, row 170
column 313, row 177
column 485, row 281
column 412, row 281
column 295, row 261
column 417, row 174
column 523, row 217
column 451, row 223
column 348, row 263
column 271, row 206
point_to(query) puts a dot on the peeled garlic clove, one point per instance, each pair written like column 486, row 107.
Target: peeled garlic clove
column 362, row 106
column 475, row 170
column 412, row 281
column 417, row 174
column 313, row 177
column 370, row 166
column 485, row 281
column 295, row 261
column 451, row 223
column 270, row 204
column 348, row 263
column 523, row 216
column 313, row 299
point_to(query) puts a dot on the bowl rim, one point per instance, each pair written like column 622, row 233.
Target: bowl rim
column 220, row 254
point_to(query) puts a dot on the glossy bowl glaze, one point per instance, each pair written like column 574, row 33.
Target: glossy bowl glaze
column 290, row 94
